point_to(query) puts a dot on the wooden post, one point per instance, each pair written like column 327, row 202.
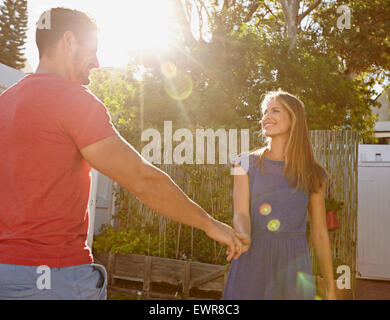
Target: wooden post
column 187, row 278
column 110, row 268
column 147, row 274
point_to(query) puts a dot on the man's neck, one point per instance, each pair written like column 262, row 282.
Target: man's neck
column 46, row 66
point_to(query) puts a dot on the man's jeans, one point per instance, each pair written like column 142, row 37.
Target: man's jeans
column 82, row 282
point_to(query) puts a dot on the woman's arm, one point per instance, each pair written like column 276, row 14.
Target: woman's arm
column 320, row 238
column 241, row 219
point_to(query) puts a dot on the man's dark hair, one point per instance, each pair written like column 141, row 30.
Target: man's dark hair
column 59, row 20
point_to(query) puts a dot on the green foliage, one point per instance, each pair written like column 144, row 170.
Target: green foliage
column 121, row 241
column 365, row 47
column 118, row 91
column 332, row 100
column 13, row 27
column 333, row 205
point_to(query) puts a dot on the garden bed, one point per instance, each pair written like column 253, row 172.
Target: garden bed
column 150, row 277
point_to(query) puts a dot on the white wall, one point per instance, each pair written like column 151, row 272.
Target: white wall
column 9, row 76
column 373, row 252
column 383, row 111
column 101, row 203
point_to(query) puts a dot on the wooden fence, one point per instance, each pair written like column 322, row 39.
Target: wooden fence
column 335, row 150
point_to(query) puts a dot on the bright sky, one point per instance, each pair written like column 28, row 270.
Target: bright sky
column 124, row 25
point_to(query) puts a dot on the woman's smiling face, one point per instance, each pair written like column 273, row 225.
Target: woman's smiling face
column 276, row 119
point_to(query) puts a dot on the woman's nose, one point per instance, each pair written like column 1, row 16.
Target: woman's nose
column 266, row 117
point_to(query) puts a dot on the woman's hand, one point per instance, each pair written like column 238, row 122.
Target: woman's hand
column 245, row 240
column 320, row 238
column 331, row 294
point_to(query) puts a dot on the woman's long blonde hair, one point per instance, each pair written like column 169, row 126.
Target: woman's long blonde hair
column 301, row 166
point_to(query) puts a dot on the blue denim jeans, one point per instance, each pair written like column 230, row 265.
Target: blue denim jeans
column 82, row 282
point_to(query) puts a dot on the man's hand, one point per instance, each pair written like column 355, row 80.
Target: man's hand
column 225, row 235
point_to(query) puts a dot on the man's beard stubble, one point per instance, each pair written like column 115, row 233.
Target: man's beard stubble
column 81, row 75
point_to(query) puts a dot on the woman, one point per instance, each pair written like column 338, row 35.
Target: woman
column 273, row 190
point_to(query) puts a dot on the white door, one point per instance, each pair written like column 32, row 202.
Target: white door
column 92, row 205
column 373, row 248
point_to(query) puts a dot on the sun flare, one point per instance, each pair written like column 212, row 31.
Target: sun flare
column 133, row 26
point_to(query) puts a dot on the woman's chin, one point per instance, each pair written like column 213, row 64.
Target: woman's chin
column 268, row 133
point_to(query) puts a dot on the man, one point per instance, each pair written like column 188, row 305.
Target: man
column 53, row 130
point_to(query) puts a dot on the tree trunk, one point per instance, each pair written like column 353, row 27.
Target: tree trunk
column 290, row 9
column 185, row 23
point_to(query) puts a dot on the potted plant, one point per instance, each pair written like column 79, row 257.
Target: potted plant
column 332, row 206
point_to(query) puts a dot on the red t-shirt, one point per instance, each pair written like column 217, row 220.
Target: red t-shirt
column 44, row 180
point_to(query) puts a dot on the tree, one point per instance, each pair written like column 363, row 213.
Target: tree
column 247, row 52
column 13, row 26
column 262, row 45
column 365, row 46
column 117, row 90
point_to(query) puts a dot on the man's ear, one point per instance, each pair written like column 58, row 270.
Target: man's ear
column 69, row 41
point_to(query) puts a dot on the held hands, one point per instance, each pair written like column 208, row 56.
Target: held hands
column 245, row 240
column 226, row 236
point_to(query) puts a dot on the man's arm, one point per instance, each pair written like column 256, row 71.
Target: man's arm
column 117, row 159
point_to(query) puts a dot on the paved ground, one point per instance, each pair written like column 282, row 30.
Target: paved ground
column 372, row 290
column 365, row 290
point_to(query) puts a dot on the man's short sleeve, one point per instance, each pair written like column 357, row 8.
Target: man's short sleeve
column 85, row 118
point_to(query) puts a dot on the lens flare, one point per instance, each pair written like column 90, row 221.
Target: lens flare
column 273, row 225
column 168, row 69
column 305, row 285
column 265, row 209
column 179, row 87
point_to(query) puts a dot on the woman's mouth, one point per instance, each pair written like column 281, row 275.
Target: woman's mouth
column 267, row 125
